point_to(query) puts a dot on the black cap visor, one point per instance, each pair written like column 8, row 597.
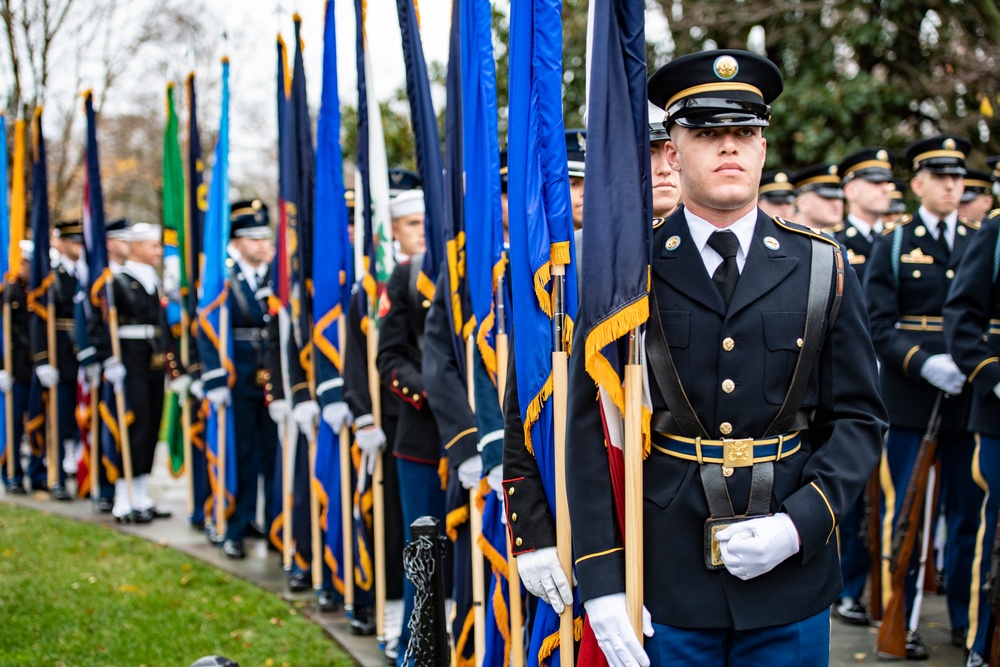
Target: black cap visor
column 698, row 112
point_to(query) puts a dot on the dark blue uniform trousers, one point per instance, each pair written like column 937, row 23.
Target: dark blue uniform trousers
column 20, row 392
column 67, row 429
column 986, row 472
column 421, row 495
column 800, row 644
column 961, row 500
column 256, row 440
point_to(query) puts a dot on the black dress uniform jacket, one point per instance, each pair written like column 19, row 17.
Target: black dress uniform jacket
column 64, row 291
column 755, row 344
column 972, row 325
column 857, row 245
column 20, row 338
column 908, row 278
column 400, row 344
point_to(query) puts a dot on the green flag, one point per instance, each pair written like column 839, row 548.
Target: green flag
column 175, row 274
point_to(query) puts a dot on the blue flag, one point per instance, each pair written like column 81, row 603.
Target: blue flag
column 197, row 199
column 94, row 229
column 214, row 294
column 541, row 235
column 331, row 252
column 428, row 145
column 4, row 264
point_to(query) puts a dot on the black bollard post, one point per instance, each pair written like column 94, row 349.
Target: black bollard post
column 423, row 560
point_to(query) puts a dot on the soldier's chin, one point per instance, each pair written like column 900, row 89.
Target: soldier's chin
column 732, row 196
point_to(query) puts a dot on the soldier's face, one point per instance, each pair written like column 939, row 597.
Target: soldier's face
column 71, row 249
column 576, row 196
column 782, row 210
column 818, row 212
column 976, row 209
column 147, row 252
column 503, row 214
column 118, row 250
column 25, row 271
column 719, row 167
column 666, row 186
column 254, row 251
column 939, row 193
column 409, row 231
column 867, row 199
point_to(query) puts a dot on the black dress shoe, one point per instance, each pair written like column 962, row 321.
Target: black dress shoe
column 104, row 505
column 59, row 492
column 16, row 489
column 142, row 516
column 915, row 649
column 363, row 622
column 958, row 636
column 233, row 549
column 255, row 532
column 156, row 513
column 327, row 602
column 299, row 581
column 198, row 525
column 128, row 518
column 849, row 610
column 40, row 487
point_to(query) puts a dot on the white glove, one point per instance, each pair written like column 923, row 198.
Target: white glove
column 337, row 415
column 751, row 548
column 470, row 471
column 198, row 390
column 180, row 386
column 5, row 381
column 278, row 411
column 609, row 620
column 942, row 372
column 368, row 460
column 544, row 578
column 305, row 415
column 48, row 375
column 495, row 479
column 370, row 439
column 114, row 372
column 219, row 397
column 93, row 374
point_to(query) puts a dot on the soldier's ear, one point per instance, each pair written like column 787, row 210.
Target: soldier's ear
column 672, row 155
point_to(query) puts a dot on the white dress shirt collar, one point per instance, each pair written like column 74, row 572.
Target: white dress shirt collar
column 701, row 229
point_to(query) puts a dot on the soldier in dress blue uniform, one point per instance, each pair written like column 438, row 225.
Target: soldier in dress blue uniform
column 147, row 355
column 977, row 198
column 68, row 240
column 867, row 182
column 17, row 379
column 972, row 332
column 866, row 178
column 897, row 203
column 910, row 270
column 256, row 435
column 739, row 301
column 819, row 199
column 776, row 194
column 576, row 152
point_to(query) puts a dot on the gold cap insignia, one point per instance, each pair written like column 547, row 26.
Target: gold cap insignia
column 726, row 67
column 771, row 242
column 581, row 139
column 882, row 155
column 949, row 144
column 919, row 231
column 673, row 243
column 781, row 177
column 832, row 170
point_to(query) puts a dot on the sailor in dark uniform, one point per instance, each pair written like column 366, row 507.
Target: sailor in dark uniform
column 68, row 270
column 147, row 355
column 776, row 194
column 977, row 198
column 733, row 314
column 867, row 181
column 819, row 200
column 909, row 272
column 256, row 434
column 17, row 379
column 866, row 178
column 972, row 333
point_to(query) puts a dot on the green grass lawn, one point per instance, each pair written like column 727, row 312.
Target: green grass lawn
column 76, row 594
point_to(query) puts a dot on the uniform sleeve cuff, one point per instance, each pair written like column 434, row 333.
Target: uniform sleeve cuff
column 601, row 573
column 813, row 517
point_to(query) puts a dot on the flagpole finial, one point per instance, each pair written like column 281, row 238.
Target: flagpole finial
column 296, row 18
column 225, row 60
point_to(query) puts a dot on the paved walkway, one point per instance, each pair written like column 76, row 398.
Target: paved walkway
column 851, row 645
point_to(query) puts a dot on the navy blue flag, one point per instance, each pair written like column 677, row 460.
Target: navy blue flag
column 197, row 199
column 427, row 143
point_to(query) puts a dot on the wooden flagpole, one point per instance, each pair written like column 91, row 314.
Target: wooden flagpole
column 633, row 484
column 222, row 432
column 186, row 411
column 120, row 407
column 378, row 493
column 476, row 529
column 52, row 408
column 346, row 504
column 13, row 448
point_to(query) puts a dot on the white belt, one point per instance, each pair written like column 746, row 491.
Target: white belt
column 138, row 332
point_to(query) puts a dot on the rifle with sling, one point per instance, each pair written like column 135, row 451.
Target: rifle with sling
column 891, row 641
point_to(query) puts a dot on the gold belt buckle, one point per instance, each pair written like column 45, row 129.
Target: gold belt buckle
column 736, row 453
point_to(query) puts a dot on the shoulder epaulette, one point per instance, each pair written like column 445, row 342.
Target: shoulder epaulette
column 969, row 223
column 802, row 229
column 889, row 226
column 837, row 228
column 658, row 221
column 994, row 213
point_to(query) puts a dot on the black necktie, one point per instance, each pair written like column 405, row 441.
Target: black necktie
column 728, row 273
column 940, row 227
